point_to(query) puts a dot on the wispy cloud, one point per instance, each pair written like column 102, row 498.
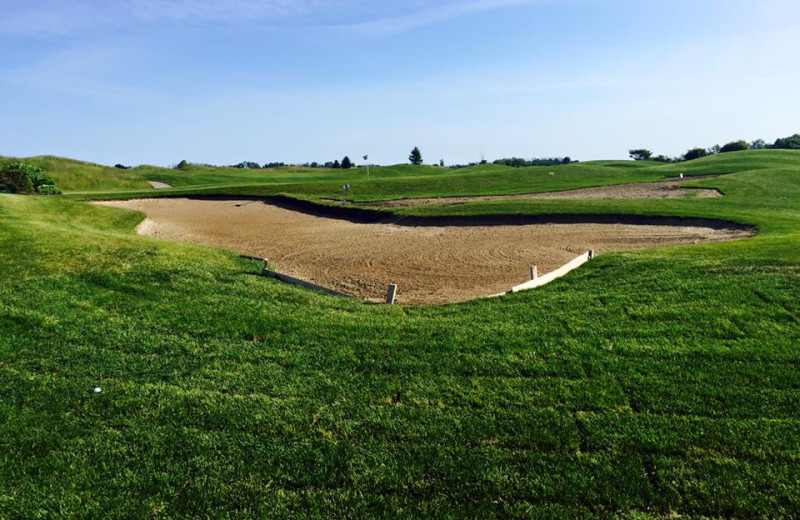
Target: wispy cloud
column 56, row 17
column 65, row 18
column 91, row 72
column 433, row 15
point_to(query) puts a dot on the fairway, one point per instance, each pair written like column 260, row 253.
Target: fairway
column 433, row 260
column 670, row 189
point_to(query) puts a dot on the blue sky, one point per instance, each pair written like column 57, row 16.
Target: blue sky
column 157, row 81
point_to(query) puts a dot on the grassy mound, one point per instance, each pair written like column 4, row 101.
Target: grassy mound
column 644, row 385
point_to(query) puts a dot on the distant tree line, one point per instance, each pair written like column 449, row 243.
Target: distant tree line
column 784, row 143
column 639, row 154
column 344, row 164
column 516, row 162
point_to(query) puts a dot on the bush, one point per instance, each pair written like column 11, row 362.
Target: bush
column 48, row 189
column 735, row 146
column 664, row 159
column 25, row 178
column 695, row 153
column 14, row 178
column 247, row 165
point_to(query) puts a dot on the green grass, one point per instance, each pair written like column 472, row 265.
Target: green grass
column 643, row 385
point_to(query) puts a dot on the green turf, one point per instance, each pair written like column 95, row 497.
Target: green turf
column 644, row 385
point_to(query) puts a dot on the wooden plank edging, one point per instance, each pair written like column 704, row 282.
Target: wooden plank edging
column 302, row 283
column 553, row 275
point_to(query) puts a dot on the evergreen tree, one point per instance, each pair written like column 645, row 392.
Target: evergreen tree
column 346, row 163
column 416, row 156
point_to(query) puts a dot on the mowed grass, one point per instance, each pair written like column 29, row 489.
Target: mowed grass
column 644, row 385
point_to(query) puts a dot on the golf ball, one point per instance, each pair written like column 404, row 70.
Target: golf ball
column 97, row 390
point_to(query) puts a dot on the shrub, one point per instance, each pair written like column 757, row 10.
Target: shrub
column 664, row 159
column 248, row 165
column 19, row 177
column 695, row 153
column 735, row 146
column 15, row 178
column 48, row 189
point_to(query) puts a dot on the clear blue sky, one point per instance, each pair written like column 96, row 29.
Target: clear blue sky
column 157, row 81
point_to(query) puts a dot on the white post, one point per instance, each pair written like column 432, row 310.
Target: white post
column 391, row 294
column 266, row 266
column 534, row 272
column 591, row 254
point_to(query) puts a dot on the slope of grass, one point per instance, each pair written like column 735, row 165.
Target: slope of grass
column 645, row 385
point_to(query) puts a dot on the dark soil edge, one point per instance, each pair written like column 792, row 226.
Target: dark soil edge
column 366, row 215
column 359, row 215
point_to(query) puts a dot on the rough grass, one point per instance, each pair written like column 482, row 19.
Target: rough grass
column 644, row 385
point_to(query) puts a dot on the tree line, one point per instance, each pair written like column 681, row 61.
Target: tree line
column 784, row 143
column 638, row 154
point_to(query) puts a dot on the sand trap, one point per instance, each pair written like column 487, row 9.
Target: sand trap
column 670, row 189
column 431, row 263
column 159, row 185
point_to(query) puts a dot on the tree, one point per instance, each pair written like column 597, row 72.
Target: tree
column 247, row 165
column 714, row 150
column 664, row 159
column 441, row 163
column 336, row 164
column 758, row 144
column 735, row 146
column 346, row 163
column 415, row 157
column 695, row 153
column 788, row 143
column 640, row 154
column 566, row 160
column 183, row 165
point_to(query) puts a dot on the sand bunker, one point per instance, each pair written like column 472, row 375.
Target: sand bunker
column 670, row 189
column 438, row 262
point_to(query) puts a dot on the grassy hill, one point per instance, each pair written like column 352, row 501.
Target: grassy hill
column 650, row 384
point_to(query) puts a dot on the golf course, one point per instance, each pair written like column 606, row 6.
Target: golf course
column 149, row 377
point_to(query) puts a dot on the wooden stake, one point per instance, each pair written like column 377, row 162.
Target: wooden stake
column 534, row 272
column 391, row 294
